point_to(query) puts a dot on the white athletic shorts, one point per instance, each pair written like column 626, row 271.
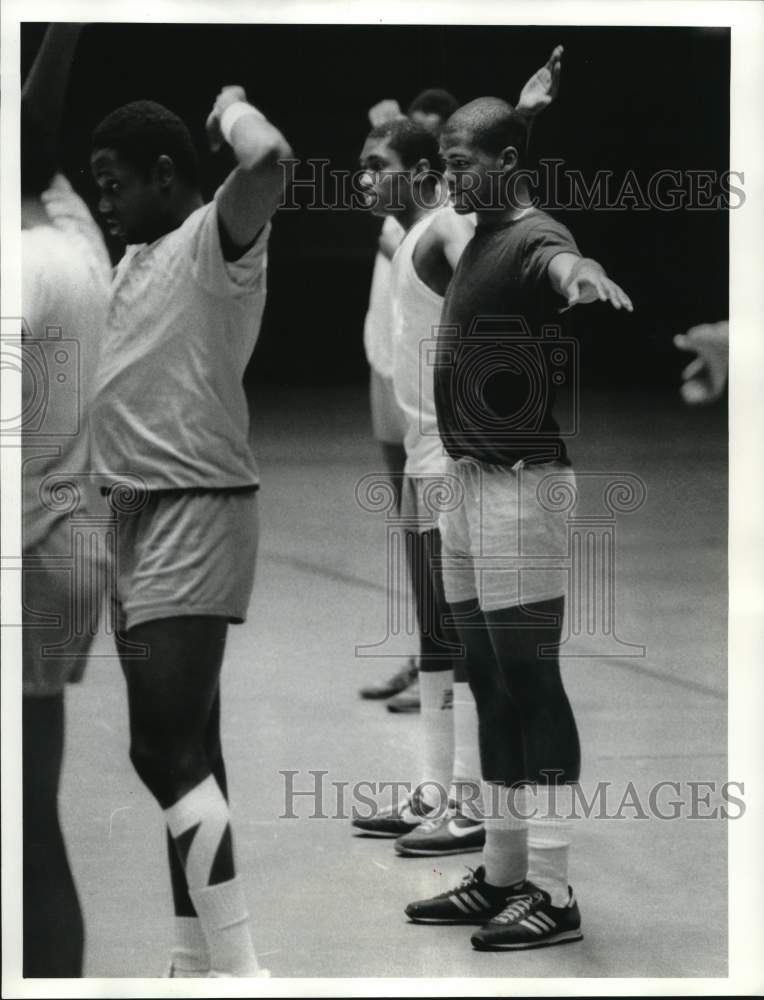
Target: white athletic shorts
column 502, row 545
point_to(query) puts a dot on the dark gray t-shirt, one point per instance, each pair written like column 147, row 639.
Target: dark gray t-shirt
column 497, row 360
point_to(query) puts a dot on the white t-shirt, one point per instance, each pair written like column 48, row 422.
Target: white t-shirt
column 65, row 296
column 169, row 404
column 377, row 331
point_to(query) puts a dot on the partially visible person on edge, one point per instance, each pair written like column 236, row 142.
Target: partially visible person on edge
column 65, row 295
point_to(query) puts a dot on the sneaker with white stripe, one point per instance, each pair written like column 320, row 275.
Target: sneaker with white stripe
column 452, row 833
column 473, row 901
column 530, row 921
column 396, row 819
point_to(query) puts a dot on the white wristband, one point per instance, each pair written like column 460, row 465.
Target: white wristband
column 233, row 113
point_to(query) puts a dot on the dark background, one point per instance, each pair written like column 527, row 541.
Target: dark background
column 645, row 99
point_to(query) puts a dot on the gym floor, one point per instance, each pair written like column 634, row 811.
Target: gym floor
column 652, row 892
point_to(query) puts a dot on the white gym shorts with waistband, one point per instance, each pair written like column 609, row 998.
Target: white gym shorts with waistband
column 502, row 544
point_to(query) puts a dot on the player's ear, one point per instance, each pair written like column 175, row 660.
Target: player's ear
column 164, row 171
column 422, row 166
column 509, row 158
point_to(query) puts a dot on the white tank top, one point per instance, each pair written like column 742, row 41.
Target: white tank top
column 416, row 312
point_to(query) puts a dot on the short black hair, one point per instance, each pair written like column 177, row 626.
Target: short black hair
column 434, row 102
column 492, row 124
column 411, row 141
column 142, row 131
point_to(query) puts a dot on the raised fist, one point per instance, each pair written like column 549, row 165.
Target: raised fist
column 384, row 111
column 227, row 96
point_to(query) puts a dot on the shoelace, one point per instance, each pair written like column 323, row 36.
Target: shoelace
column 467, row 882
column 432, row 824
column 396, row 809
column 519, row 907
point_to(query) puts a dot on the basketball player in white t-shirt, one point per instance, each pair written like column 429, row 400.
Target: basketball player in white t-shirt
column 169, row 407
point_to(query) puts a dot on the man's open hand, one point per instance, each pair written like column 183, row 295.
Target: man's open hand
column 589, row 283
column 541, row 89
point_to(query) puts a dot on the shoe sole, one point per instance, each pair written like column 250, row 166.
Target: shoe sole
column 360, row 832
column 431, row 852
column 479, row 919
column 564, row 937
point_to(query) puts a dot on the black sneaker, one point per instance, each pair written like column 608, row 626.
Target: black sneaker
column 393, row 685
column 530, row 921
column 453, row 833
column 473, row 901
column 396, row 819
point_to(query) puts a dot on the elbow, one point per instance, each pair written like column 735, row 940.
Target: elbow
column 271, row 154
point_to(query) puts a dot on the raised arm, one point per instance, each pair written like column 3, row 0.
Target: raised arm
column 581, row 279
column 539, row 92
column 252, row 191
column 384, row 111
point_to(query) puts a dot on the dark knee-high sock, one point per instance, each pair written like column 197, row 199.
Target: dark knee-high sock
column 501, row 751
column 525, row 641
column 53, row 925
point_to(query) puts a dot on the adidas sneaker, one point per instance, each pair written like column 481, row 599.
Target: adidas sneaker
column 473, row 901
column 530, row 921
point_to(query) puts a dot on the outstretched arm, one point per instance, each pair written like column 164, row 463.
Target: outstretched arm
column 251, row 192
column 539, row 92
column 704, row 379
column 580, row 280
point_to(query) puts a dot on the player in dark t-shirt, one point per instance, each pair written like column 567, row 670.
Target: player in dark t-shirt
column 499, row 357
column 505, row 359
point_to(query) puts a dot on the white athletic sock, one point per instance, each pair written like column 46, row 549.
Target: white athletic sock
column 437, row 729
column 190, row 957
column 465, row 785
column 549, row 836
column 505, row 854
column 198, row 822
column 223, row 912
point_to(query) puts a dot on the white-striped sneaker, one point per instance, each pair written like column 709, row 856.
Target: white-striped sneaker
column 473, row 901
column 530, row 921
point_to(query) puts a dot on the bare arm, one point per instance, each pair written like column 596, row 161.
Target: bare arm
column 389, row 241
column 456, row 232
column 539, row 92
column 580, row 279
column 252, row 191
